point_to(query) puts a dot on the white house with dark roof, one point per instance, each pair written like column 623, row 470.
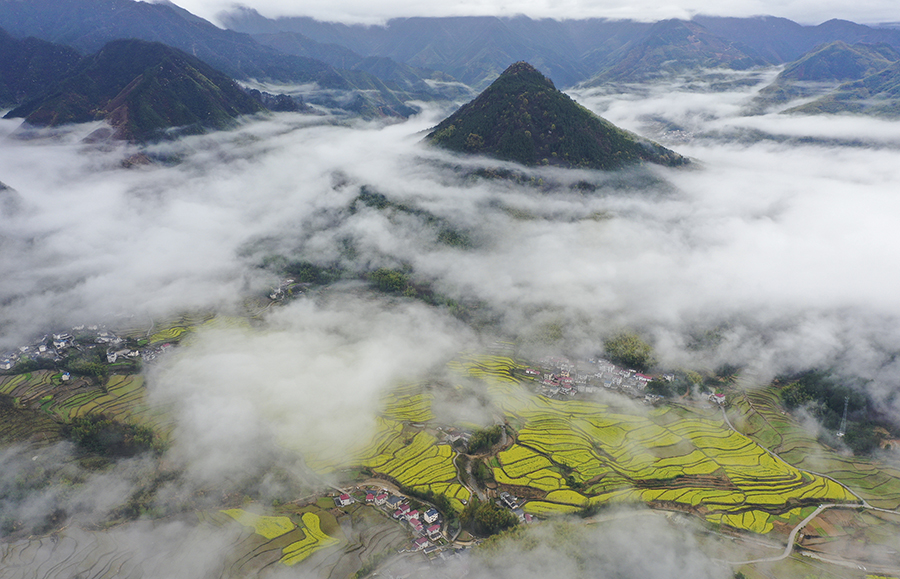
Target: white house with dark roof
column 431, row 515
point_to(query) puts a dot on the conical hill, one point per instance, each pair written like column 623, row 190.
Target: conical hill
column 522, row 117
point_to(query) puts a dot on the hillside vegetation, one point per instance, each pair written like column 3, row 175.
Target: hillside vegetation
column 522, row 117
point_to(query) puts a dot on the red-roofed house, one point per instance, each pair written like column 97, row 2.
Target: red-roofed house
column 434, row 531
column 420, row 543
column 343, row 500
column 370, row 497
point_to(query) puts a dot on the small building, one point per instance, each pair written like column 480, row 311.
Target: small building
column 431, row 515
column 397, row 514
column 65, row 377
column 381, row 498
column 420, row 543
column 370, row 497
column 434, row 531
column 416, row 525
column 717, row 398
column 509, row 500
column 414, row 514
column 343, row 500
column 394, row 502
column 404, row 508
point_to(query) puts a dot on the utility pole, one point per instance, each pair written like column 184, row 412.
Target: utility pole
column 843, row 427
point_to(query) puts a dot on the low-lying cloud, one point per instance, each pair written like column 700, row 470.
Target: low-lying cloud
column 779, row 240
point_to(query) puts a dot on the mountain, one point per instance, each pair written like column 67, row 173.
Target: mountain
column 142, row 89
column 674, row 46
column 822, row 69
column 839, row 61
column 472, row 49
column 403, row 76
column 28, row 66
column 475, row 49
column 780, row 40
column 87, row 25
column 522, row 117
column 877, row 94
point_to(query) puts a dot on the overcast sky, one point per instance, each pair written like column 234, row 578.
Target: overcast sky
column 803, row 11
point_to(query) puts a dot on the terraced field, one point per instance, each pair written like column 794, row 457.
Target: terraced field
column 758, row 414
column 121, row 397
column 404, row 449
column 287, row 539
column 573, row 454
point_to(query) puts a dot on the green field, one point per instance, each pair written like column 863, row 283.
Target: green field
column 759, row 414
column 119, row 397
column 573, row 454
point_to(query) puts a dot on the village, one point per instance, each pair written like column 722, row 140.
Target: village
column 95, row 344
column 560, row 378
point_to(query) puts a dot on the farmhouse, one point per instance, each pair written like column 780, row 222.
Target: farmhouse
column 420, row 543
column 509, row 500
column 431, row 515
column 434, row 531
column 343, row 500
column 381, row 498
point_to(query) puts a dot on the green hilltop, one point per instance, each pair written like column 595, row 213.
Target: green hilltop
column 142, row 89
column 823, row 68
column 877, row 94
column 522, row 117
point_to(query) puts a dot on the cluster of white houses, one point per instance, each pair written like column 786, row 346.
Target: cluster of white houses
column 560, row 378
column 425, row 525
column 52, row 348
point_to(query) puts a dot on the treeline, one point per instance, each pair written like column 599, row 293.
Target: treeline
column 107, row 437
column 485, row 438
column 823, row 395
column 486, row 518
column 629, row 350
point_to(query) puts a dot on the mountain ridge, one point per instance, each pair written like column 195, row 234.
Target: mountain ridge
column 143, row 89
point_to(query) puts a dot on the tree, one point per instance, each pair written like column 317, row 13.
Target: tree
column 485, row 438
column 629, row 350
column 486, row 518
column 660, row 388
column 389, row 280
column 481, row 471
column 108, row 437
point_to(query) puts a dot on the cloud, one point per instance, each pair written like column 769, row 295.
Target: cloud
column 310, row 381
column 616, row 546
column 355, row 11
column 776, row 245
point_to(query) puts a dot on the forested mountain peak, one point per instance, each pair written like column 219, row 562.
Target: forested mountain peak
column 522, row 117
